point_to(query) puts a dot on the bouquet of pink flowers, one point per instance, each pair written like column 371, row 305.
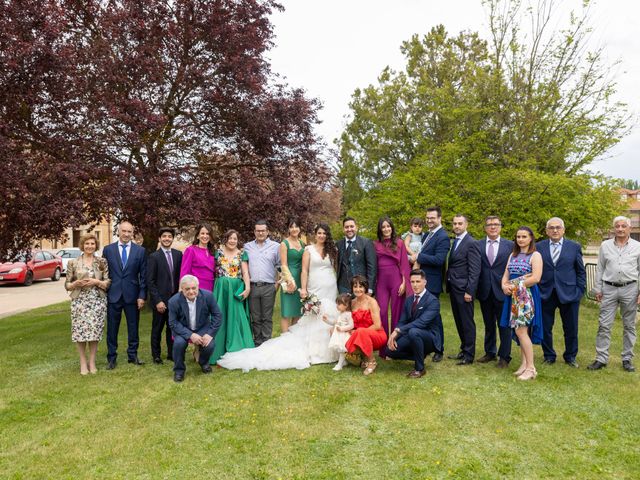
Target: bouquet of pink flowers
column 311, row 304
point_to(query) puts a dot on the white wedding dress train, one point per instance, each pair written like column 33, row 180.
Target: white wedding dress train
column 307, row 342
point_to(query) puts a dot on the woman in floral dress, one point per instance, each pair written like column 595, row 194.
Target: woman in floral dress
column 87, row 280
column 522, row 308
column 230, row 291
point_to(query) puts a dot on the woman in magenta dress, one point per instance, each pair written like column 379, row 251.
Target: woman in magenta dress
column 393, row 275
column 199, row 259
column 368, row 334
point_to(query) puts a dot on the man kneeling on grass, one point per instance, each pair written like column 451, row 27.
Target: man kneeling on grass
column 193, row 315
column 418, row 332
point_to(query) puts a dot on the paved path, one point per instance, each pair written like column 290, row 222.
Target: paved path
column 17, row 298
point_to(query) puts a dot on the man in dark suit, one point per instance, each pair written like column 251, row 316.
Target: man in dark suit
column 562, row 286
column 195, row 316
column 432, row 257
column 163, row 275
column 356, row 256
column 462, row 281
column 494, row 254
column 418, row 331
column 128, row 271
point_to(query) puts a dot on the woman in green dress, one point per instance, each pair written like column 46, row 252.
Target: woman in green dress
column 291, row 250
column 230, row 290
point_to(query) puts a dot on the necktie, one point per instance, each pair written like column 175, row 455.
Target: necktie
column 426, row 240
column 124, row 256
column 169, row 262
column 492, row 252
column 416, row 299
column 455, row 244
column 349, row 245
column 555, row 252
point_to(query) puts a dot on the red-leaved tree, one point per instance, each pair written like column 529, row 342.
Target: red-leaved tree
column 162, row 112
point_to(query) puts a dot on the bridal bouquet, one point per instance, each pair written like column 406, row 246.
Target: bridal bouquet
column 311, row 304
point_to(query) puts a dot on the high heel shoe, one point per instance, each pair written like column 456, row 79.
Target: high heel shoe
column 371, row 366
column 520, row 370
column 528, row 374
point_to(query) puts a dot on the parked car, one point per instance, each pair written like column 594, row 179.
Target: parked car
column 67, row 254
column 34, row 265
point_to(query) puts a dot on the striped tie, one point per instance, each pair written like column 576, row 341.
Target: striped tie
column 555, row 253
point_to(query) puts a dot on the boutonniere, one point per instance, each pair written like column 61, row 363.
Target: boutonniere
column 354, row 251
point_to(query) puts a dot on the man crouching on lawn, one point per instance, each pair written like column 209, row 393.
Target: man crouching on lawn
column 193, row 315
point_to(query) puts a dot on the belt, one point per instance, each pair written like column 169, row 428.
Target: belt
column 613, row 284
column 261, row 284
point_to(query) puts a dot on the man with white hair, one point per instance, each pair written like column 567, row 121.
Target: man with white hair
column 617, row 276
column 562, row 286
column 192, row 316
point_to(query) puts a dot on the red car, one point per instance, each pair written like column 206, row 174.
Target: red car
column 35, row 265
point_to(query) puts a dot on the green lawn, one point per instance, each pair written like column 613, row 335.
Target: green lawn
column 456, row 422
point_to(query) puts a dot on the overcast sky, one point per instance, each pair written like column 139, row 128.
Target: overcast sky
column 332, row 47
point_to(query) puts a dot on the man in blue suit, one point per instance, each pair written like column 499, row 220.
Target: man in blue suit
column 128, row 271
column 463, row 271
column 562, row 286
column 432, row 257
column 418, row 331
column 494, row 255
column 193, row 315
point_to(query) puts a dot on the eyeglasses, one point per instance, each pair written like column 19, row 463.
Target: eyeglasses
column 555, row 228
column 490, row 225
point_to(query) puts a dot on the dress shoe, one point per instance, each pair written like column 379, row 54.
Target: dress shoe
column 206, row 368
column 136, row 361
column 437, row 357
column 459, row 356
column 596, row 365
column 157, row 361
column 548, row 361
column 112, row 365
column 178, row 377
column 465, row 361
column 502, row 363
column 416, row 374
column 628, row 366
column 572, row 363
column 486, row 359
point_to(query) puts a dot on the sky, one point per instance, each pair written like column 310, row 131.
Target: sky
column 331, row 47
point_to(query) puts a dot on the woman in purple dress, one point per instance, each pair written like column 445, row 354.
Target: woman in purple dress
column 393, row 275
column 199, row 259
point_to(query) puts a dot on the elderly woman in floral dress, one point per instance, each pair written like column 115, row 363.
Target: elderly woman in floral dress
column 87, row 280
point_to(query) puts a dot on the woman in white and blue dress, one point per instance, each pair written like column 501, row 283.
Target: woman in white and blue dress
column 307, row 342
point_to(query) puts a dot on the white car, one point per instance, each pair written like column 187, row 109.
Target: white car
column 67, row 254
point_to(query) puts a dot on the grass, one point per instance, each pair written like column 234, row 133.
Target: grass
column 456, row 422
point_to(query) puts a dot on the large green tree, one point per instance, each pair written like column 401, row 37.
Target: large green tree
column 502, row 126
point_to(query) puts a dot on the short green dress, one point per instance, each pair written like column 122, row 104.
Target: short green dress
column 291, row 306
column 235, row 331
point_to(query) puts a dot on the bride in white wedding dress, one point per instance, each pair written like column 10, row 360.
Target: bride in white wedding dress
column 307, row 342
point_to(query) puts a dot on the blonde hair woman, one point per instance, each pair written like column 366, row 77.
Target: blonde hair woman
column 87, row 280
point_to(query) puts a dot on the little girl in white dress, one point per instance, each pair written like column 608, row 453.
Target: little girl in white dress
column 342, row 325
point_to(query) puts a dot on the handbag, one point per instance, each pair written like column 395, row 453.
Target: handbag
column 238, row 293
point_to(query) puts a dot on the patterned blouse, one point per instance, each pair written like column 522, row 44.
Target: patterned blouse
column 230, row 267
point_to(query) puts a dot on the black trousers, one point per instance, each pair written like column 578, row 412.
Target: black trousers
column 491, row 313
column 160, row 320
column 440, row 327
column 114, row 316
column 414, row 345
column 466, row 326
column 180, row 346
column 569, row 316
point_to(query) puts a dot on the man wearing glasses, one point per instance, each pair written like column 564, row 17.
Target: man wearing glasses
column 562, row 286
column 264, row 260
column 494, row 254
